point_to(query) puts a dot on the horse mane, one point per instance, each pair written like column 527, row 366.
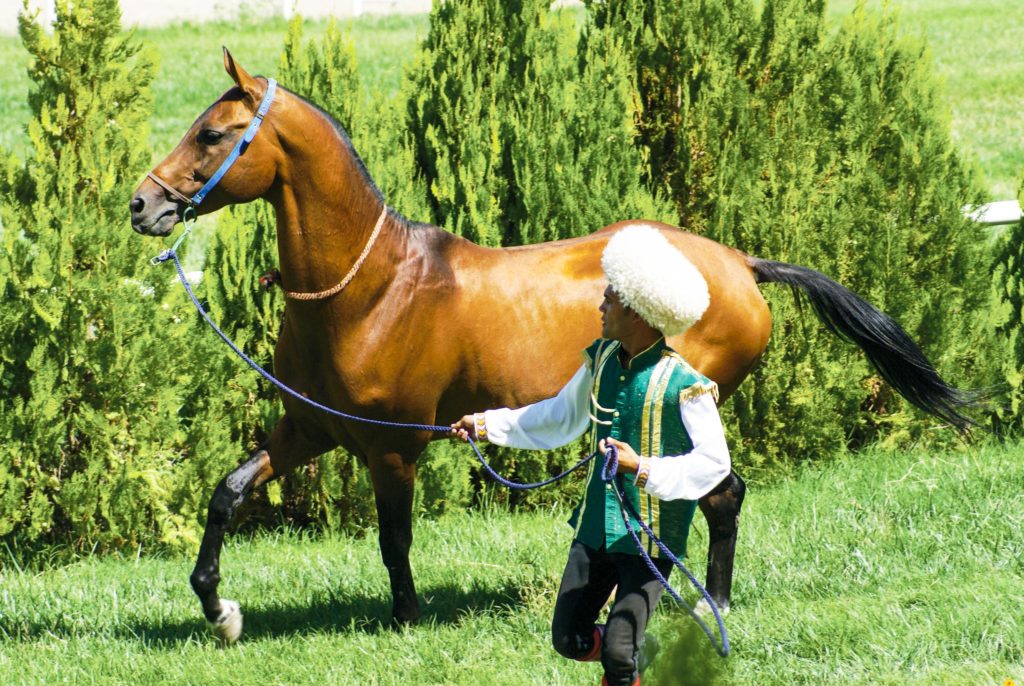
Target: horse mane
column 431, row 240
column 347, row 142
column 361, row 166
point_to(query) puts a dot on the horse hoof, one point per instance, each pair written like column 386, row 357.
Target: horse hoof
column 228, row 626
column 703, row 609
column 402, row 622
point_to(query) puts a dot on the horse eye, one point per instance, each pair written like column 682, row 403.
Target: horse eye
column 210, row 137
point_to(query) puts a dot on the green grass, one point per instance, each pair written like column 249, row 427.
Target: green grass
column 882, row 568
column 191, row 75
column 14, row 112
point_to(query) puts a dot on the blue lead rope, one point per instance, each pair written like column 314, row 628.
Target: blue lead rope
column 624, row 505
column 608, row 471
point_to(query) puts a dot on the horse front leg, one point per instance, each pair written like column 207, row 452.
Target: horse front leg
column 285, row 450
column 721, row 508
column 393, row 486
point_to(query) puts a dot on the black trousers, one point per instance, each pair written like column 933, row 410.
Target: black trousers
column 588, row 580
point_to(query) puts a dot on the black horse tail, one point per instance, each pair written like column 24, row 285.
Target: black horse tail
column 887, row 346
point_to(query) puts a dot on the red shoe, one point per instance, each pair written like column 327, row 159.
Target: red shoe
column 595, row 652
column 604, row 681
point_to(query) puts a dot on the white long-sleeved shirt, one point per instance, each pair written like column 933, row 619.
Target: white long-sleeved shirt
column 559, row 420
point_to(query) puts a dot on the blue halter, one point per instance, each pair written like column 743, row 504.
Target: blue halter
column 241, row 145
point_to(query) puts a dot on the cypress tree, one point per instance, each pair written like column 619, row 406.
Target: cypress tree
column 91, row 434
column 521, row 137
column 824, row 148
column 1009, row 286
column 692, row 62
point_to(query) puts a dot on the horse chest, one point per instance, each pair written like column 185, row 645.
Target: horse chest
column 357, row 369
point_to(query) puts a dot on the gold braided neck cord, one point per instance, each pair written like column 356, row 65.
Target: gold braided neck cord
column 320, row 295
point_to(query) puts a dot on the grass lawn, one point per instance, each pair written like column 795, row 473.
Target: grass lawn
column 976, row 47
column 880, row 568
column 190, row 75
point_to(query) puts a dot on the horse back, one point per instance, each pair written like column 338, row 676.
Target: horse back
column 525, row 314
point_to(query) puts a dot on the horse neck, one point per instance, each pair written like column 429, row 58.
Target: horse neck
column 326, row 209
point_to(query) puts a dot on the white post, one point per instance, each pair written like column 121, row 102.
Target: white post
column 287, row 7
column 995, row 213
column 357, row 8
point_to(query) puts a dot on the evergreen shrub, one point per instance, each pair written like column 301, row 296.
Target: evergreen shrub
column 779, row 135
column 89, row 402
column 1008, row 283
column 521, row 136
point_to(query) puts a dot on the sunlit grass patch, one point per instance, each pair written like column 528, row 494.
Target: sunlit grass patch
column 880, row 568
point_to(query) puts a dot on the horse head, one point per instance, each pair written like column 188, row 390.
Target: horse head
column 172, row 188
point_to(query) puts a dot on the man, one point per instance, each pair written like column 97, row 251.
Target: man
column 638, row 395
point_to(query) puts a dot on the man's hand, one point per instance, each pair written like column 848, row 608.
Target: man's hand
column 465, row 428
column 629, row 461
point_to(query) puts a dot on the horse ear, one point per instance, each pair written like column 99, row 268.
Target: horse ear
column 240, row 76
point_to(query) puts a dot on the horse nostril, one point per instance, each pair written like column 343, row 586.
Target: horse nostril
column 137, row 204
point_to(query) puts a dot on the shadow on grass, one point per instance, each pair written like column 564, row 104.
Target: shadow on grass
column 358, row 613
column 444, row 604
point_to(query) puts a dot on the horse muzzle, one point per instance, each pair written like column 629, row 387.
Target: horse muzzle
column 153, row 214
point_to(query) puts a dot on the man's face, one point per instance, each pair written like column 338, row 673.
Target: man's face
column 616, row 319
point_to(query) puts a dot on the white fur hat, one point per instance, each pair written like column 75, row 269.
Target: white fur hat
column 654, row 279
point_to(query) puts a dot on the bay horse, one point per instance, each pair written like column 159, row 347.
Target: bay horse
column 429, row 327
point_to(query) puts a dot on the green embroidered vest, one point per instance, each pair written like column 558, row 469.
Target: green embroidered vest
column 638, row 404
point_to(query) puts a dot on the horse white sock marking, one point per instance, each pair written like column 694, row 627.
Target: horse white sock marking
column 228, row 626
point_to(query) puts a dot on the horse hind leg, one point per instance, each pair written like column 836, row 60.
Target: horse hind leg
column 721, row 508
column 285, row 450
